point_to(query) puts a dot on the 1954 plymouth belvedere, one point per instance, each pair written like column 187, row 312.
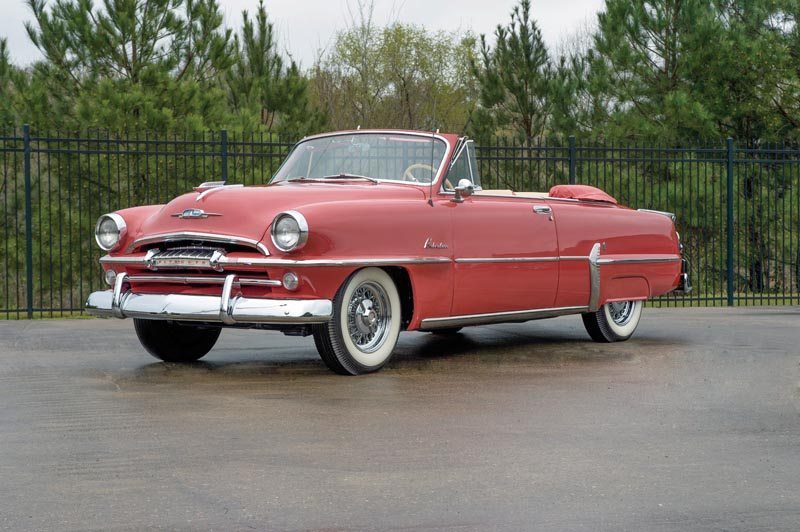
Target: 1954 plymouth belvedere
column 363, row 234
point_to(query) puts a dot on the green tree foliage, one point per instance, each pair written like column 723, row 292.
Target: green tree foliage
column 684, row 71
column 650, row 59
column 514, row 78
column 7, row 73
column 399, row 76
column 130, row 64
column 263, row 92
column 759, row 69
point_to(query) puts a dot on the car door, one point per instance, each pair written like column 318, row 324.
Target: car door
column 506, row 251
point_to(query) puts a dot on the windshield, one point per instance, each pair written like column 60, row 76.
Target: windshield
column 388, row 156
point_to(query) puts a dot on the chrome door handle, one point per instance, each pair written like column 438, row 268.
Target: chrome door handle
column 542, row 209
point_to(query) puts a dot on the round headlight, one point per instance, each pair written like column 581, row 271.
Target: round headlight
column 109, row 231
column 289, row 231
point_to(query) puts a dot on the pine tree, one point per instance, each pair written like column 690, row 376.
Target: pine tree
column 514, row 79
column 132, row 63
column 7, row 73
column 262, row 91
column 648, row 60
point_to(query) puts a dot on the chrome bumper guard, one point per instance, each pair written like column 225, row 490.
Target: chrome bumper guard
column 226, row 309
column 685, row 285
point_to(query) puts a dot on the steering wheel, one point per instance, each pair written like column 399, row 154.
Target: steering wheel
column 409, row 176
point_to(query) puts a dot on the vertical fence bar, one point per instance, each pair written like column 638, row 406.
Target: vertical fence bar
column 572, row 156
column 26, row 161
column 223, row 136
column 730, row 220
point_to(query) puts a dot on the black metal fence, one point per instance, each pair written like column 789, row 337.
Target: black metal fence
column 738, row 208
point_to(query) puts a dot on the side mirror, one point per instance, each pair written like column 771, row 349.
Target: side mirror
column 464, row 189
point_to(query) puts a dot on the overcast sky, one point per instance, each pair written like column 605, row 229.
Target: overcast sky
column 306, row 26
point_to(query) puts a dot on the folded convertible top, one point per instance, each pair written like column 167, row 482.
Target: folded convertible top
column 580, row 192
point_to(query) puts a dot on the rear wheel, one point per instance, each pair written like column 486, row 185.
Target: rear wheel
column 172, row 341
column 613, row 322
column 363, row 331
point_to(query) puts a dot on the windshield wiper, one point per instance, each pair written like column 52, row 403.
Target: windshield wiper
column 350, row 176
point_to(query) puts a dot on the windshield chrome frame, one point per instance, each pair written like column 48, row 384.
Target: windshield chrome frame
column 461, row 146
column 443, row 166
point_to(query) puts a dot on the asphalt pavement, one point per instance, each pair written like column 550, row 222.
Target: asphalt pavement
column 694, row 424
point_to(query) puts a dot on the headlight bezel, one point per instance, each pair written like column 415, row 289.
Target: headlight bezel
column 302, row 230
column 122, row 229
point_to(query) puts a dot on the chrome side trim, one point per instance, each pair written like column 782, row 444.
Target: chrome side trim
column 497, row 317
column 481, row 260
column 594, row 278
column 639, row 261
column 245, row 261
column 354, row 262
column 390, row 261
column 194, row 235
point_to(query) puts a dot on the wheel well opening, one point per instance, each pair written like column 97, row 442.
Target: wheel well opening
column 403, row 282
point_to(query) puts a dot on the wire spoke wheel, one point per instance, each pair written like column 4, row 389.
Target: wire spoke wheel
column 368, row 317
column 621, row 312
column 613, row 322
column 366, row 321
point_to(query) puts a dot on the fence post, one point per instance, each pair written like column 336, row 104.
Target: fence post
column 223, row 136
column 730, row 220
column 26, row 167
column 572, row 153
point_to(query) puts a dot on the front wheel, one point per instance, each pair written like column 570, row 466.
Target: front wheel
column 362, row 333
column 171, row 341
column 613, row 322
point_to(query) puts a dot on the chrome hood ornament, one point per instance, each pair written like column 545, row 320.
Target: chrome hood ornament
column 194, row 214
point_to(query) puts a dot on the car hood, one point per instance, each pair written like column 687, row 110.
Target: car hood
column 248, row 211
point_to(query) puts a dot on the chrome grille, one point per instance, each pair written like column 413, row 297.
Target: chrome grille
column 186, row 257
column 198, row 280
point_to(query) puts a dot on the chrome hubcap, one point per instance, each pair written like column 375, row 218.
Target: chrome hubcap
column 621, row 312
column 368, row 317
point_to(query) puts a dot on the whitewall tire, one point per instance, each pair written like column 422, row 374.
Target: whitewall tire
column 613, row 322
column 362, row 333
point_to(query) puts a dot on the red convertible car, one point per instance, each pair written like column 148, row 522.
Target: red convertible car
column 363, row 234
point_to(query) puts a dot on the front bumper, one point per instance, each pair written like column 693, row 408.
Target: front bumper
column 225, row 309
